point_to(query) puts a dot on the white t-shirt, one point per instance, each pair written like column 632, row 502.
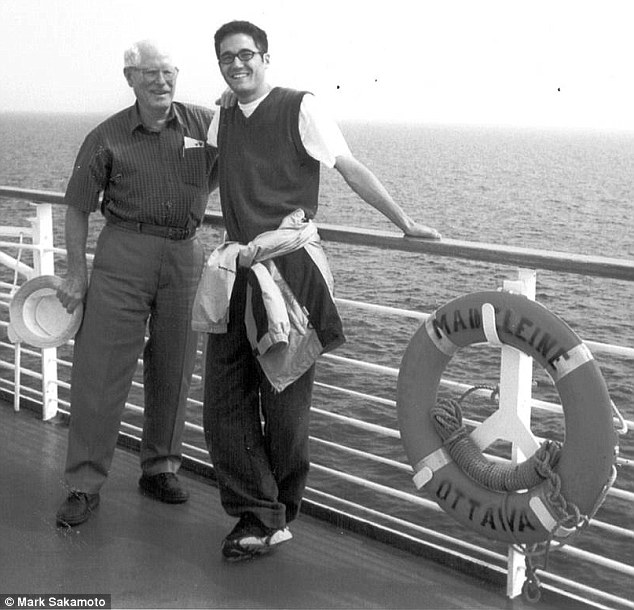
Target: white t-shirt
column 318, row 131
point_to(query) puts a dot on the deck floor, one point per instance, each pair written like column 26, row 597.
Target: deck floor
column 151, row 555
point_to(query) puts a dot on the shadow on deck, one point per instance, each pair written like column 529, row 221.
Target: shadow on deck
column 147, row 554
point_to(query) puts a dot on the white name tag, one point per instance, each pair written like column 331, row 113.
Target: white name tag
column 191, row 143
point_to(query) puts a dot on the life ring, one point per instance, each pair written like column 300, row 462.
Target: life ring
column 585, row 465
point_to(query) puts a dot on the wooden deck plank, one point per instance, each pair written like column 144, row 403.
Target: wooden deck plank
column 148, row 554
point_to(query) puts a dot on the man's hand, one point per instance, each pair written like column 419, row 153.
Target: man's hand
column 418, row 230
column 74, row 286
column 72, row 291
column 227, row 99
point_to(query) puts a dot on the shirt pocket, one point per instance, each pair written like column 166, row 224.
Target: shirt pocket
column 194, row 166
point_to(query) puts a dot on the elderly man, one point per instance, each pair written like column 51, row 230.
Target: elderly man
column 270, row 147
column 149, row 171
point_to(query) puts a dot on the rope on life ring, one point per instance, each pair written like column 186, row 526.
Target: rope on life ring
column 447, row 417
column 556, row 491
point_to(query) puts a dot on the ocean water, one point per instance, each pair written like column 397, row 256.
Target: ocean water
column 553, row 190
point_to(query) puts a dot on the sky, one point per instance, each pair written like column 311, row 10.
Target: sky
column 551, row 63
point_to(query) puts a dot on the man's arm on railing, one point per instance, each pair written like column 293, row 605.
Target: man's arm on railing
column 365, row 184
column 73, row 289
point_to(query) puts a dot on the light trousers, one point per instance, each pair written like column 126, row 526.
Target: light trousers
column 138, row 282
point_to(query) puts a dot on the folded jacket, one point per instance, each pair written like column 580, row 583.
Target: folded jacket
column 290, row 314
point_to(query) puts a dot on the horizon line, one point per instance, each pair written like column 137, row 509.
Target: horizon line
column 383, row 120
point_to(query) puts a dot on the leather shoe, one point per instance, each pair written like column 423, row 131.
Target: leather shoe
column 165, row 487
column 77, row 508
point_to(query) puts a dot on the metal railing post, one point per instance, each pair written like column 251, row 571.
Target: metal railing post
column 516, row 377
column 44, row 264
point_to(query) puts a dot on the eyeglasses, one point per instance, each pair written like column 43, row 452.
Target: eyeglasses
column 243, row 55
column 150, row 74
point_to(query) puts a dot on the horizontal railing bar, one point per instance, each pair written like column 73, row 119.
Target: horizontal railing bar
column 16, row 231
column 384, row 431
column 132, row 427
column 357, row 423
column 24, row 371
column 412, row 526
column 613, row 529
column 139, row 411
column 367, row 366
column 364, row 454
column 25, row 390
column 61, row 384
column 384, row 489
column 376, row 399
column 20, row 246
column 622, row 494
column 491, row 253
column 384, row 401
column 474, row 251
column 23, row 349
column 200, row 450
column 618, row 566
column 578, row 586
column 530, row 258
column 139, row 431
column 596, row 346
column 34, row 196
column 12, row 263
column 609, row 348
column 394, row 311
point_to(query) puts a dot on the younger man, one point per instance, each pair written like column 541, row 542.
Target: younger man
column 270, row 147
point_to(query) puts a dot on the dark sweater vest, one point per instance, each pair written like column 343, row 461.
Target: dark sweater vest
column 265, row 172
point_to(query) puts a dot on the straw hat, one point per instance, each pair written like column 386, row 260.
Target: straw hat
column 38, row 317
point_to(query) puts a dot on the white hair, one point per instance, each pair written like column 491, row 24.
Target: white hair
column 132, row 56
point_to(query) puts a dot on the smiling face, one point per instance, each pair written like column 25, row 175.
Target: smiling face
column 153, row 80
column 246, row 78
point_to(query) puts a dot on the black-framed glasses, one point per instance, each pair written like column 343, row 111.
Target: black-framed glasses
column 243, row 55
column 151, row 74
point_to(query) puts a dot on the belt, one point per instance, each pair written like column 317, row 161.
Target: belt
column 175, row 233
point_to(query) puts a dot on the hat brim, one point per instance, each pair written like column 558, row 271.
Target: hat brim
column 39, row 318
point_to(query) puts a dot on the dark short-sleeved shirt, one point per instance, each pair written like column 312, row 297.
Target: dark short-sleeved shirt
column 162, row 178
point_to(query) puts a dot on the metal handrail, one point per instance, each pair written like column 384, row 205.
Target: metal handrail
column 529, row 258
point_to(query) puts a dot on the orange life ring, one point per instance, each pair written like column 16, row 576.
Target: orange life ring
column 586, row 461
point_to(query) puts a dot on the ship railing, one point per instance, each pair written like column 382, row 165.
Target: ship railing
column 46, row 376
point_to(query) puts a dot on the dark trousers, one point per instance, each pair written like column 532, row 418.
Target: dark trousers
column 138, row 281
column 257, row 437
